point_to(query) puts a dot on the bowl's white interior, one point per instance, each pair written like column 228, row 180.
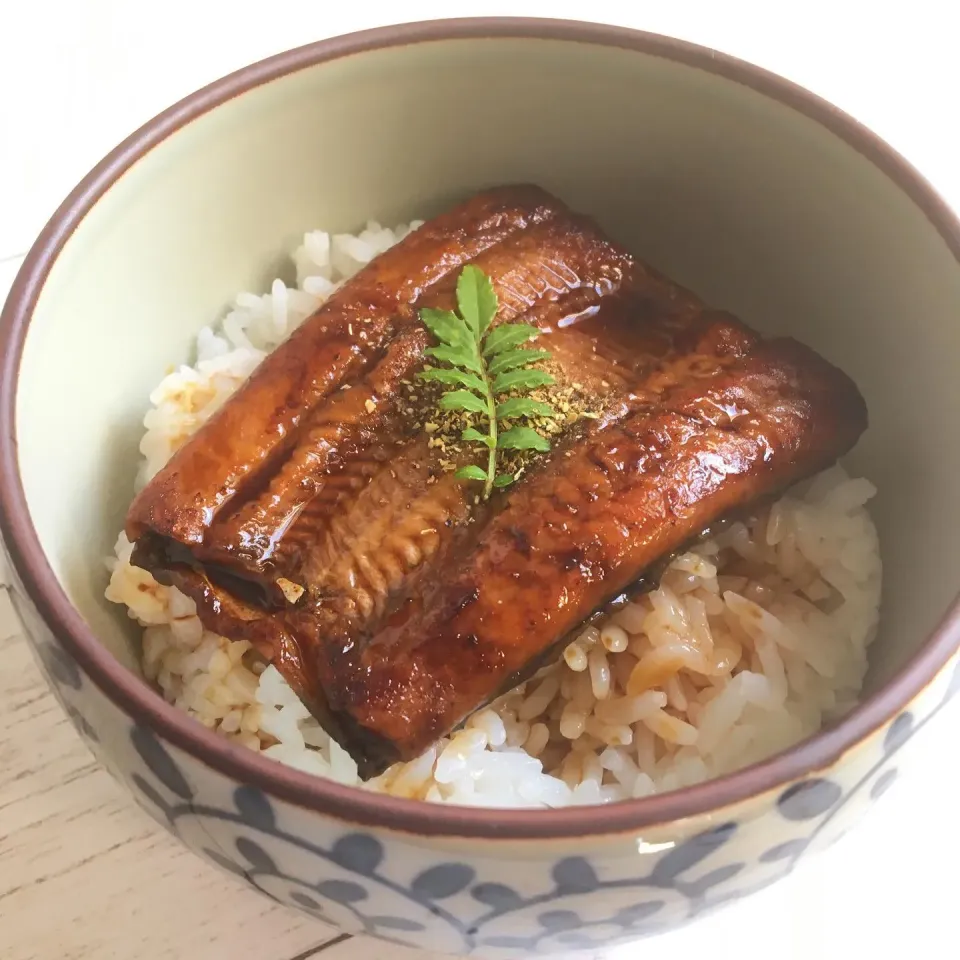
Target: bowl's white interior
column 755, row 207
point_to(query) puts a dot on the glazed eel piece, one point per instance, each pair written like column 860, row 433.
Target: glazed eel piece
column 247, row 436
column 418, row 606
column 252, row 493
column 601, row 512
column 554, row 269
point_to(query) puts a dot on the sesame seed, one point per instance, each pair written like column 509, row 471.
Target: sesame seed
column 370, row 406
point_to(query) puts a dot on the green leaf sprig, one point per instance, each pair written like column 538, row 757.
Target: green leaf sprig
column 485, row 364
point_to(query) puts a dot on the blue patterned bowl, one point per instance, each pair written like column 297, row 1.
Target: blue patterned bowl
column 751, row 191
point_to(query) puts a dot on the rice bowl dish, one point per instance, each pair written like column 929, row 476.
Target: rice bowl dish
column 753, row 640
column 797, row 231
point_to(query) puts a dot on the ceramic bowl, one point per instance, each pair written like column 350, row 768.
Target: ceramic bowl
column 756, row 194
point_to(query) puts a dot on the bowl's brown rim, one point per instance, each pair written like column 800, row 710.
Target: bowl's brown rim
column 146, row 707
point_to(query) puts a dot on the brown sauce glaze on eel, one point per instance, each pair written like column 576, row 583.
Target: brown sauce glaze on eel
column 412, row 604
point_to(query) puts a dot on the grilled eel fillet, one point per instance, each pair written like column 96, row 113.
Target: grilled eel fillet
column 418, row 605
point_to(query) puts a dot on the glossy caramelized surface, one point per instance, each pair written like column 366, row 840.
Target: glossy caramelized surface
column 419, row 604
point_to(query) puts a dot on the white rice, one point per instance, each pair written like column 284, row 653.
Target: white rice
column 752, row 641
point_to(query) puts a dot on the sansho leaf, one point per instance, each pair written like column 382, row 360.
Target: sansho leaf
column 477, row 437
column 462, row 400
column 523, row 407
column 522, row 380
column 511, row 359
column 471, row 473
column 445, row 325
column 507, row 336
column 478, row 355
column 476, row 299
column 522, row 438
column 458, row 356
column 457, row 377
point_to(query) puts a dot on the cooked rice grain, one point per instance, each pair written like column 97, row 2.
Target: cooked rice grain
column 752, row 641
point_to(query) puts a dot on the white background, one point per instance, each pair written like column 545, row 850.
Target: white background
column 79, row 75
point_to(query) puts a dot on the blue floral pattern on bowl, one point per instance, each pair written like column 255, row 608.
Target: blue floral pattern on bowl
column 482, row 900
